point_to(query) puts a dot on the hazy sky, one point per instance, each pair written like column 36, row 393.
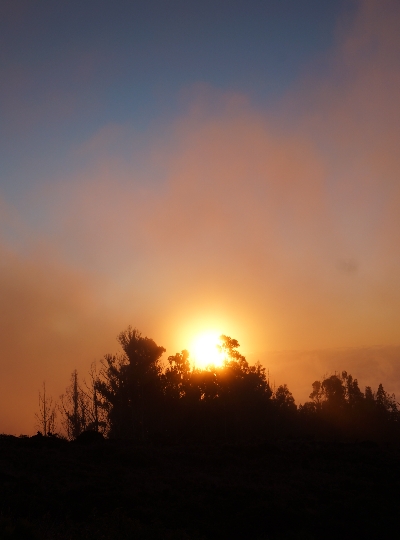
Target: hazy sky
column 182, row 166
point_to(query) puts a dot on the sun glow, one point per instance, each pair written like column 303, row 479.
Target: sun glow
column 204, row 350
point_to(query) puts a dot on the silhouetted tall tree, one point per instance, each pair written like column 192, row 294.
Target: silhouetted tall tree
column 74, row 408
column 46, row 417
column 176, row 378
column 386, row 405
column 96, row 412
column 130, row 386
column 244, row 391
column 283, row 400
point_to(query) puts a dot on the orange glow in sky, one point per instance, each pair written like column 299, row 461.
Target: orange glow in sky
column 275, row 223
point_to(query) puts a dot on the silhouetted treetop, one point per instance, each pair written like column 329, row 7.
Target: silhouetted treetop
column 338, row 404
column 283, row 399
column 142, row 353
column 130, row 385
column 135, row 396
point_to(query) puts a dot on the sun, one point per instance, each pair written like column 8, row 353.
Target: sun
column 204, row 350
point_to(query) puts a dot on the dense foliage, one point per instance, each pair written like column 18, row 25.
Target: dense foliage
column 203, row 453
column 135, row 397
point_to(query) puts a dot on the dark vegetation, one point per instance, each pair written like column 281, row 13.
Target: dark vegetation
column 170, row 452
column 133, row 396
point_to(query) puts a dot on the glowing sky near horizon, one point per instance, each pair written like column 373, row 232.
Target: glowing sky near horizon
column 196, row 166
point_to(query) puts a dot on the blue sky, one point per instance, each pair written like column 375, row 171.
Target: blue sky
column 70, row 68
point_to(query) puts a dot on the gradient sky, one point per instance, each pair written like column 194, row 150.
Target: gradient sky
column 188, row 166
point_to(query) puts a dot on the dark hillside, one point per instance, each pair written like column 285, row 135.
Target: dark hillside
column 53, row 489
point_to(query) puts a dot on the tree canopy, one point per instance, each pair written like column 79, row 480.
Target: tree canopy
column 135, row 395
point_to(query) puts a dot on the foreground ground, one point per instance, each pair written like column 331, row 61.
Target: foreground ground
column 52, row 489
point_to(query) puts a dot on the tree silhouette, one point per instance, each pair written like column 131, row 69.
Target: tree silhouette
column 144, row 401
column 96, row 412
column 74, row 408
column 130, row 386
column 339, row 407
column 177, row 376
column 283, row 400
column 236, row 393
column 317, row 396
column 134, row 396
column 46, row 417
